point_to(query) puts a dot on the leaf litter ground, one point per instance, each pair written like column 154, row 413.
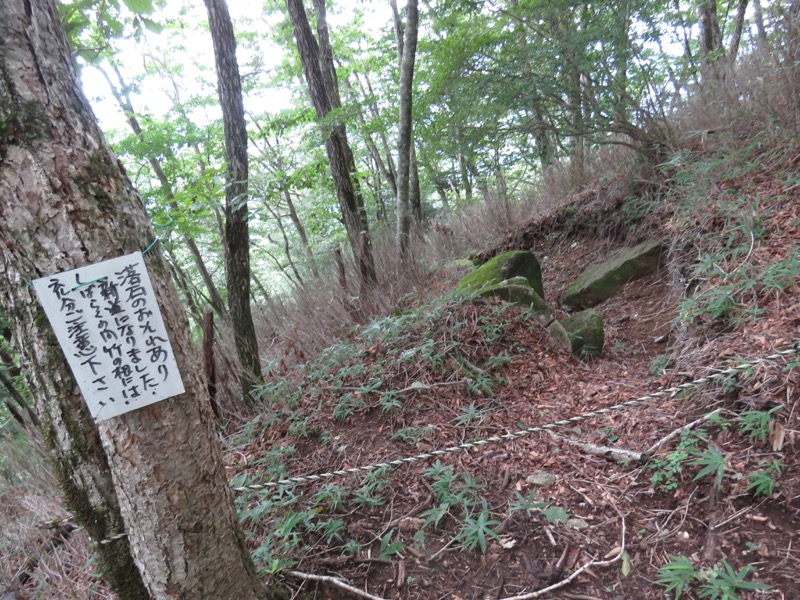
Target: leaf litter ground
column 463, row 527
column 475, row 525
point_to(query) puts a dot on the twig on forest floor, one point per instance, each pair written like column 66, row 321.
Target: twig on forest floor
column 620, row 552
column 442, row 549
column 659, row 535
column 333, row 581
column 620, row 455
column 414, row 387
column 655, row 447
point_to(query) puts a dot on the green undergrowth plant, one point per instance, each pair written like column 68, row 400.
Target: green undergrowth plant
column 413, row 434
column 477, row 529
column 763, row 481
column 284, row 525
column 471, row 416
column 390, row 368
column 756, row 423
column 680, row 577
column 667, row 471
column 722, row 219
column 695, row 450
column 712, row 462
column 528, row 505
column 454, row 339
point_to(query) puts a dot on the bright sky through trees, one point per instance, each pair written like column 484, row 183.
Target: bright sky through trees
column 186, row 43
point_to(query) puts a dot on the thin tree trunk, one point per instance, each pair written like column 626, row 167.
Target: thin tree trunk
column 156, row 472
column 408, row 51
column 301, row 231
column 262, row 290
column 761, row 31
column 340, row 155
column 278, row 164
column 16, row 413
column 180, row 279
column 738, row 28
column 209, row 366
column 387, row 150
column 415, row 192
column 287, row 250
column 462, row 166
column 711, row 49
column 7, row 361
column 126, row 105
column 687, row 44
column 415, row 195
column 237, row 233
column 386, row 172
column 385, row 163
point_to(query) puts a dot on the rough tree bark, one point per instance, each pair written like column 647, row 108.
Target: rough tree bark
column 65, row 202
column 237, row 233
column 325, row 98
column 415, row 193
column 712, row 52
column 408, row 53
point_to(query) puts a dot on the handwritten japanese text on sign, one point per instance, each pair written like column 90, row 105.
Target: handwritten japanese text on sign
column 108, row 323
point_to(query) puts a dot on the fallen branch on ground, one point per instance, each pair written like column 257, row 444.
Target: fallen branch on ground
column 655, row 447
column 620, row 455
column 592, row 563
column 333, row 581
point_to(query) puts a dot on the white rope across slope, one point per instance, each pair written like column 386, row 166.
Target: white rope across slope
column 793, row 349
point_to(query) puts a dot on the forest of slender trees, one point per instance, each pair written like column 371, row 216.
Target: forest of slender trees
column 250, row 198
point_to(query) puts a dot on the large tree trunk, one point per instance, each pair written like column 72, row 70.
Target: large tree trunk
column 325, row 97
column 237, row 233
column 408, row 52
column 66, row 202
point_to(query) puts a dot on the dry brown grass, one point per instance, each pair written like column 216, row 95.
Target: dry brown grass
column 32, row 566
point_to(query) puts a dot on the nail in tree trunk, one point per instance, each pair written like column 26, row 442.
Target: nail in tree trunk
column 237, row 234
column 155, row 473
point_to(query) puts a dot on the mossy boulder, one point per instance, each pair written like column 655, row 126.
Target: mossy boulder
column 517, row 291
column 585, row 331
column 599, row 282
column 505, row 266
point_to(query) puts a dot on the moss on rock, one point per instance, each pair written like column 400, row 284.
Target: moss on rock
column 599, row 282
column 522, row 295
column 502, row 267
column 585, row 331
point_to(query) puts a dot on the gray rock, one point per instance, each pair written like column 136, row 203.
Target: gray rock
column 576, row 523
column 502, row 267
column 559, row 335
column 541, row 479
column 599, row 282
column 586, row 334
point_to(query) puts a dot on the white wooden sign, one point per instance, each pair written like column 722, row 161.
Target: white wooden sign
column 108, row 323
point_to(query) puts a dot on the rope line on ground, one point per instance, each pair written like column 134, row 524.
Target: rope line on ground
column 794, row 349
